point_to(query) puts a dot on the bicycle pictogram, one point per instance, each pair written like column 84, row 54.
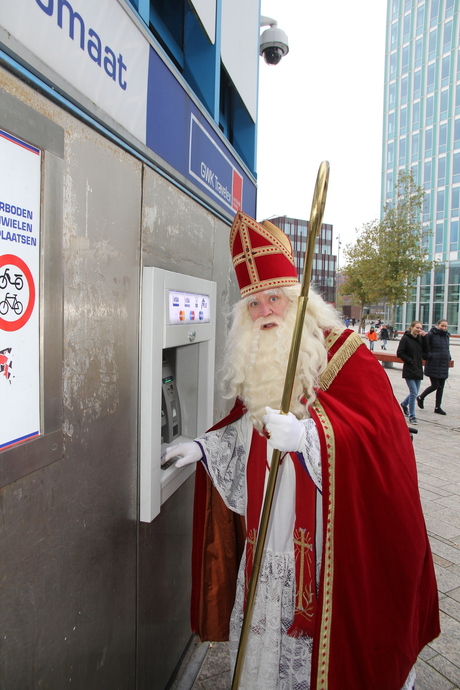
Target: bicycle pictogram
column 15, row 276
column 11, row 302
column 5, row 278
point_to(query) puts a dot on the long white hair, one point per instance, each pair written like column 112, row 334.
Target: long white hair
column 255, row 360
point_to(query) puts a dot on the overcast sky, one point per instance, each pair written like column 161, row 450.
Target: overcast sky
column 323, row 101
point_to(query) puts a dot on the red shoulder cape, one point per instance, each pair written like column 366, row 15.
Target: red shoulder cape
column 378, row 601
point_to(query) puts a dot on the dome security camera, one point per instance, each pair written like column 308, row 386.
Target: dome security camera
column 273, row 42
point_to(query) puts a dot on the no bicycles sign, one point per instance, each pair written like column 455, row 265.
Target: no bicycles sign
column 15, row 277
column 20, row 189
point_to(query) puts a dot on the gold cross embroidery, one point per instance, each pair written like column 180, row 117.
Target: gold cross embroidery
column 302, row 541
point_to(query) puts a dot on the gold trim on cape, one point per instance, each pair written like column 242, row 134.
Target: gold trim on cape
column 328, row 555
column 342, row 355
column 337, row 361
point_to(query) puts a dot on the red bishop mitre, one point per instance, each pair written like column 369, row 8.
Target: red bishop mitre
column 261, row 254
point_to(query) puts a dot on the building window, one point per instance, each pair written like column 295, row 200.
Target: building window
column 447, row 37
column 442, row 172
column 426, row 207
column 440, row 204
column 445, row 70
column 389, row 183
column 402, row 120
column 394, row 34
column 427, row 174
column 456, row 168
column 455, row 202
column 442, row 145
column 434, row 12
column 392, row 93
column 432, row 44
column 406, row 29
column 391, row 123
column 417, row 83
column 390, row 153
column 415, row 146
column 430, row 77
column 438, row 236
column 444, row 105
column 402, row 151
column 454, row 273
column 449, row 8
column 405, row 60
column 426, row 237
column 416, row 113
column 429, row 110
column 404, row 84
column 393, row 58
column 457, row 134
column 420, row 19
column 428, row 142
column 167, row 25
column 418, row 52
column 453, row 236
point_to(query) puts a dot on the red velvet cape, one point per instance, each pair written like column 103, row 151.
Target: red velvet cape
column 378, row 601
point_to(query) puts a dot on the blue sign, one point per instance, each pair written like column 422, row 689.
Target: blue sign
column 213, row 169
column 179, row 133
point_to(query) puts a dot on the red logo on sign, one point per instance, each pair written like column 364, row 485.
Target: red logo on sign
column 237, row 191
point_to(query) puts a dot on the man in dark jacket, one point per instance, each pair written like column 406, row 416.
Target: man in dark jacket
column 383, row 335
column 437, row 366
column 413, row 348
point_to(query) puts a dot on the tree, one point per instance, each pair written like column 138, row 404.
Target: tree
column 402, row 243
column 361, row 262
column 391, row 253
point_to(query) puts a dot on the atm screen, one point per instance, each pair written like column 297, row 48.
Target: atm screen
column 188, row 307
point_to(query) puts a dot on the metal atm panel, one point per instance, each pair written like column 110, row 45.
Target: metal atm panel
column 177, row 376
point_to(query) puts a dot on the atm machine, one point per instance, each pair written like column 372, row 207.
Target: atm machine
column 177, row 376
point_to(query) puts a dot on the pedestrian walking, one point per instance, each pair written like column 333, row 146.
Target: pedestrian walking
column 371, row 335
column 383, row 335
column 437, row 365
column 413, row 348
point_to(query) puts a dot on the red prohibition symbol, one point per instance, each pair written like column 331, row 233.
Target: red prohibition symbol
column 10, row 259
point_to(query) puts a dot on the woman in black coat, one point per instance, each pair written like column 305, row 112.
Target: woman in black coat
column 413, row 347
column 437, row 366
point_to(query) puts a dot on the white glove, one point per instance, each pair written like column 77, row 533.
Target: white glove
column 285, row 431
column 187, row 452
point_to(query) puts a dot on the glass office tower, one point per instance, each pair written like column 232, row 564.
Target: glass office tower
column 421, row 131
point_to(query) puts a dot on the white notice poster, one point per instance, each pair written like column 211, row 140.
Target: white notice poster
column 20, row 166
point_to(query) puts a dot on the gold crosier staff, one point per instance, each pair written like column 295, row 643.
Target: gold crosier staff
column 316, row 216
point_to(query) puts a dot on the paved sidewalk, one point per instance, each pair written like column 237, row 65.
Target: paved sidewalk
column 437, row 447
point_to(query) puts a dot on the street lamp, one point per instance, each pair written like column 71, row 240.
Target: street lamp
column 338, row 251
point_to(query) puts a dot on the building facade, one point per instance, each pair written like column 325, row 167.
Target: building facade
column 324, row 276
column 127, row 143
column 421, row 132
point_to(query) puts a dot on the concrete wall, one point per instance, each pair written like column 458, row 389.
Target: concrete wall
column 84, row 585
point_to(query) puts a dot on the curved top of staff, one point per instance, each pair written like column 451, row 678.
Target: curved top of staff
column 316, row 217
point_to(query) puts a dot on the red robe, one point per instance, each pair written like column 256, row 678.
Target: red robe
column 378, row 601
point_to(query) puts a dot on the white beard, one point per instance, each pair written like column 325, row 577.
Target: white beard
column 255, row 361
column 266, row 367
